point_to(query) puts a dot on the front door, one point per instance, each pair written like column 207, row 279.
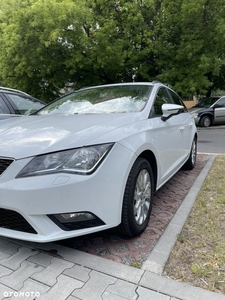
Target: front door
column 219, row 112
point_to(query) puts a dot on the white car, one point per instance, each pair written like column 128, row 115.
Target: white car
column 92, row 160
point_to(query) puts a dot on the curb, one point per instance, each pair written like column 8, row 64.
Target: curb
column 158, row 257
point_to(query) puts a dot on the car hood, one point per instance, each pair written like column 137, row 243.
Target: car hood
column 194, row 110
column 33, row 135
column 8, row 116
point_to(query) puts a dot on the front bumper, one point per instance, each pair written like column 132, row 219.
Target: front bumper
column 31, row 200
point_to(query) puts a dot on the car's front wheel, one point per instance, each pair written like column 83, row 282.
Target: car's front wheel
column 190, row 163
column 138, row 196
column 205, row 121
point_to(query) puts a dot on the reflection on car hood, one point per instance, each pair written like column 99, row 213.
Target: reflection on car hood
column 8, row 116
column 195, row 109
column 33, row 135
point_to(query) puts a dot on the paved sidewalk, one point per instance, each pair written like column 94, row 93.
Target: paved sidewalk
column 51, row 271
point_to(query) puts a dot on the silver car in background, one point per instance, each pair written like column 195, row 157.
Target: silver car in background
column 209, row 111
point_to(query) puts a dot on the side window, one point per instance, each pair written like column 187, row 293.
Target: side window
column 176, row 99
column 221, row 103
column 161, row 98
column 3, row 108
column 24, row 105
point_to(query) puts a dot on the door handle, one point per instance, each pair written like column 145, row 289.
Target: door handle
column 182, row 128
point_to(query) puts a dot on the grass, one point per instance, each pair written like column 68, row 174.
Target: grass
column 198, row 257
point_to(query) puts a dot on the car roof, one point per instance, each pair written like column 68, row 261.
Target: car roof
column 125, row 83
column 18, row 92
column 215, row 97
column 3, row 88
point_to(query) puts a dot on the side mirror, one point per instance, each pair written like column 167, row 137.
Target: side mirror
column 170, row 110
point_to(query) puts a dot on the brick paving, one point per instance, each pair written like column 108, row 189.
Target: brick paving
column 134, row 251
column 28, row 273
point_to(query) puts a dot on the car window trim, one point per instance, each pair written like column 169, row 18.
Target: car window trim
column 7, row 102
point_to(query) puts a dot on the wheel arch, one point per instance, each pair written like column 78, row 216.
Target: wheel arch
column 208, row 114
column 150, row 157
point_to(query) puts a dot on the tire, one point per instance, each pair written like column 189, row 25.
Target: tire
column 190, row 163
column 138, row 196
column 205, row 121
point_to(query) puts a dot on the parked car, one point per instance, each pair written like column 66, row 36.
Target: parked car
column 92, row 160
column 209, row 111
column 17, row 103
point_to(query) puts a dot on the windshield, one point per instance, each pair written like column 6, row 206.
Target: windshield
column 104, row 99
column 206, row 102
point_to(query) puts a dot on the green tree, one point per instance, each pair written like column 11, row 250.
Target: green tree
column 35, row 44
column 191, row 44
column 122, row 39
column 49, row 44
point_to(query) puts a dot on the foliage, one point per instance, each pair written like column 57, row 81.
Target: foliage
column 191, row 44
column 35, row 38
column 47, row 45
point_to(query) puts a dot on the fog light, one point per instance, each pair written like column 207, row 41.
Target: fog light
column 74, row 217
column 76, row 220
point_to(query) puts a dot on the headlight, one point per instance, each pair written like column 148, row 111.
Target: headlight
column 80, row 161
column 194, row 115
